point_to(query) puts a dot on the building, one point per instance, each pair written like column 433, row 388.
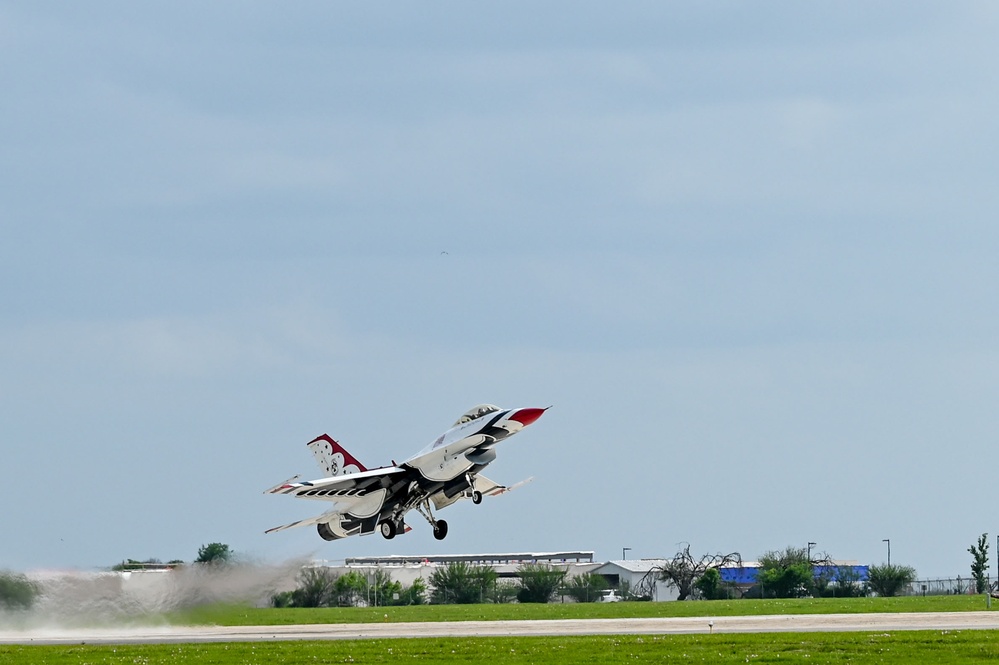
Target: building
column 743, row 577
column 638, row 576
column 407, row 569
column 634, row 574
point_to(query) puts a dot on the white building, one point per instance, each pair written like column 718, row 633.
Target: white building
column 636, row 573
column 407, row 569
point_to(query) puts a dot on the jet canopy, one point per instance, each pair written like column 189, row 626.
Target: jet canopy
column 476, row 412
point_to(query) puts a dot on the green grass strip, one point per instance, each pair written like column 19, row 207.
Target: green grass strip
column 234, row 615
column 923, row 647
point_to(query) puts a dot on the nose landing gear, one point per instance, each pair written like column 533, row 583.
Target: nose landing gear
column 475, row 494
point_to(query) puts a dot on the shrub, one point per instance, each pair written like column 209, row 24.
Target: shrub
column 586, row 588
column 461, row 583
column 840, row 582
column 321, row 587
column 316, row 588
column 17, row 592
column 786, row 574
column 888, row 580
column 214, row 553
column 416, row 594
column 283, row 599
column 539, row 582
column 350, row 589
column 711, row 586
column 502, row 592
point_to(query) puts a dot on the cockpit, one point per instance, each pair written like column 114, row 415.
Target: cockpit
column 476, row 412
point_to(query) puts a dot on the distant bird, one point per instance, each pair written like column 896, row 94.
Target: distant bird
column 443, row 253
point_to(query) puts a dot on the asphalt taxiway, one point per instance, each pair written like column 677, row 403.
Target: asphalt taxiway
column 661, row 626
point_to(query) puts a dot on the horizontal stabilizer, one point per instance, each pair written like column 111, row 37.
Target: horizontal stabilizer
column 325, row 517
column 281, row 486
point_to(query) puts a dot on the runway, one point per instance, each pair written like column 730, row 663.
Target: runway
column 662, row 626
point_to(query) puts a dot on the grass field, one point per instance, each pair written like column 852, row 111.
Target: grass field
column 234, row 615
column 858, row 648
column 895, row 647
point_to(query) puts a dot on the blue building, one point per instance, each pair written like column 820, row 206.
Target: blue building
column 744, row 577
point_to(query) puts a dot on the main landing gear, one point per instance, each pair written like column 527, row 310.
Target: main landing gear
column 440, row 526
column 388, row 529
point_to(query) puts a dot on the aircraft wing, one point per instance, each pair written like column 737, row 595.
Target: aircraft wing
column 340, row 488
column 325, row 517
column 359, row 493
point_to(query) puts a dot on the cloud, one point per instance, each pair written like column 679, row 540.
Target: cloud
column 180, row 346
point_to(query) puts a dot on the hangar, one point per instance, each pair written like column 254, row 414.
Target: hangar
column 407, row 569
column 630, row 573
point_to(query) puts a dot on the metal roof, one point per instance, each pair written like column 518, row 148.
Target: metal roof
column 634, row 565
column 512, row 557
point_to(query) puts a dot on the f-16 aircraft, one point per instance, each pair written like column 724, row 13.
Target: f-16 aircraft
column 378, row 499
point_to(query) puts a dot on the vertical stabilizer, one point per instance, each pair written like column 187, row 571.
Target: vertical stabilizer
column 332, row 458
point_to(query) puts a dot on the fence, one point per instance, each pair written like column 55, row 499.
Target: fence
column 947, row 586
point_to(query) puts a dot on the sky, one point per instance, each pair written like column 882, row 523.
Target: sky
column 747, row 251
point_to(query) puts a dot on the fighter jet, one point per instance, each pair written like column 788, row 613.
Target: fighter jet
column 442, row 473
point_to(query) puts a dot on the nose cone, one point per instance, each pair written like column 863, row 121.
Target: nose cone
column 527, row 416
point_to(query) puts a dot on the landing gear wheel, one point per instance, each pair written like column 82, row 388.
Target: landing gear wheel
column 440, row 530
column 388, row 529
column 476, row 497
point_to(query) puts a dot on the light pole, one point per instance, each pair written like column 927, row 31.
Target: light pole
column 810, row 546
column 888, row 540
column 624, row 553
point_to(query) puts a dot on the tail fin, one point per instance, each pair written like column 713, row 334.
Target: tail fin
column 332, row 458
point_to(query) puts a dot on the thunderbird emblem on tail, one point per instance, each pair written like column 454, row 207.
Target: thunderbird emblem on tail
column 444, row 472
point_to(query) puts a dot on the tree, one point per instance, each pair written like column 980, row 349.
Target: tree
column 350, row 589
column 321, row 587
column 683, row 570
column 711, row 586
column 786, row 574
column 502, row 592
column 586, row 588
column 415, row 594
column 316, row 588
column 381, row 589
column 17, row 592
column 844, row 583
column 461, row 583
column 980, row 563
column 539, row 582
column 214, row 553
column 888, row 580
